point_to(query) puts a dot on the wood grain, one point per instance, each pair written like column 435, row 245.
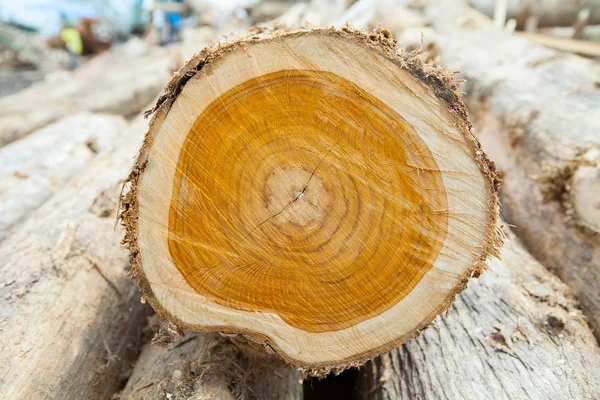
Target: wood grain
column 271, row 215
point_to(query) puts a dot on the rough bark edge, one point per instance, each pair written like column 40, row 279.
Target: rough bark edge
column 436, row 78
column 557, row 181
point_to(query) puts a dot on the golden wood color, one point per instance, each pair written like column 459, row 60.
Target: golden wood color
column 300, row 194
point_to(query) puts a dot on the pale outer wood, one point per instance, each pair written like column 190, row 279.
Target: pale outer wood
column 70, row 315
column 537, row 111
column 122, row 81
column 502, row 339
column 34, row 168
column 207, row 365
column 466, row 197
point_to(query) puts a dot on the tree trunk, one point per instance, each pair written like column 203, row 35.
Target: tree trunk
column 209, row 366
column 34, row 168
column 276, row 200
column 515, row 333
column 121, row 81
column 538, row 117
column 70, row 314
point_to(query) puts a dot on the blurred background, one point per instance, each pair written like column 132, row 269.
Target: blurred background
column 39, row 37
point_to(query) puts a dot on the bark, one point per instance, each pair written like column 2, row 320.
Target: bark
column 34, row 168
column 536, row 113
column 70, row 315
column 209, row 366
column 549, row 12
column 121, row 81
column 515, row 333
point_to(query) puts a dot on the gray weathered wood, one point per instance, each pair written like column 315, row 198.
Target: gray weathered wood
column 34, row 168
column 515, row 333
column 209, row 366
column 70, row 315
column 121, row 81
column 548, row 12
column 537, row 114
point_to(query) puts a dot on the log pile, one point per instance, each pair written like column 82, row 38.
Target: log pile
column 36, row 167
column 516, row 332
column 280, row 226
column 122, row 82
column 71, row 316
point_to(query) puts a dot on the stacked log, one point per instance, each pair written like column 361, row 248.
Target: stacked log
column 547, row 12
column 71, row 316
column 217, row 233
column 538, row 117
column 121, row 81
column 34, row 168
column 210, row 366
column 516, row 332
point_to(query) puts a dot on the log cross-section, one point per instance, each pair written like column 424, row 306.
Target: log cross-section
column 316, row 191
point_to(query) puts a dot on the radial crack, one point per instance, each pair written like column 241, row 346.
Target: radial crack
column 295, row 198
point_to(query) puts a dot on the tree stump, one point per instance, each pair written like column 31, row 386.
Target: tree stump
column 315, row 191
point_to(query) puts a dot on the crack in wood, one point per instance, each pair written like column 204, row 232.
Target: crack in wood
column 299, row 195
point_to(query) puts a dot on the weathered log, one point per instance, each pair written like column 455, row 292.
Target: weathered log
column 581, row 47
column 317, row 229
column 588, row 32
column 322, row 12
column 34, row 168
column 266, row 11
column 121, row 81
column 368, row 14
column 548, row 12
column 539, row 117
column 194, row 39
column 410, row 29
column 515, row 333
column 70, row 315
column 210, row 366
column 313, row 13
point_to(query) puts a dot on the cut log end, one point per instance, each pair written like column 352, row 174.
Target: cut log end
column 316, row 191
